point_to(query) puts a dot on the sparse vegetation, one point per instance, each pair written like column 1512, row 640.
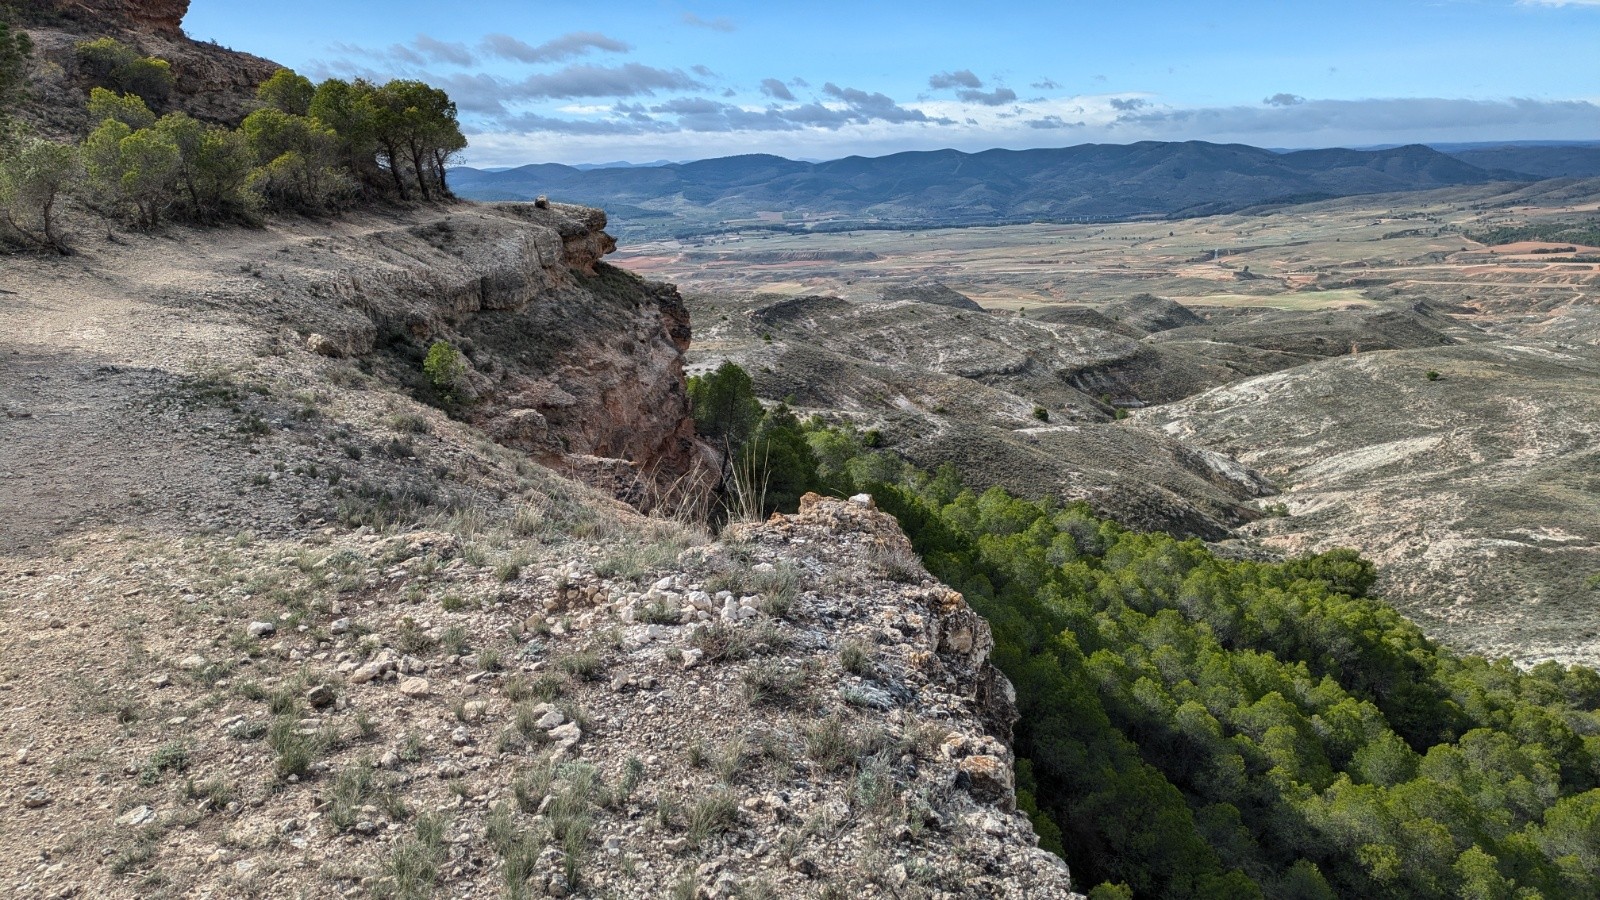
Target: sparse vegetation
column 855, row 657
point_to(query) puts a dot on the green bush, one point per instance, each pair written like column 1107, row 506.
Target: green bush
column 109, row 63
column 32, row 182
column 287, row 92
column 442, row 366
column 15, row 50
column 296, row 159
column 213, row 169
column 132, row 170
column 128, row 109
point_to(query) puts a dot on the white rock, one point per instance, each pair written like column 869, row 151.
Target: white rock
column 261, row 629
column 864, row 500
column 691, row 657
column 139, row 815
column 551, row 719
column 192, row 663
column 414, row 687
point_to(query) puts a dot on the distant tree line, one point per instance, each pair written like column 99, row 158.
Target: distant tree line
column 1586, row 233
column 307, row 148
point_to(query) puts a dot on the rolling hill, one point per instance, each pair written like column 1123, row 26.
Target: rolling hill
column 948, row 187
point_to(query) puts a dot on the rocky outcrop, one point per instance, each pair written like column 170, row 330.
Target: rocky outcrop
column 561, row 356
column 211, row 82
column 159, row 16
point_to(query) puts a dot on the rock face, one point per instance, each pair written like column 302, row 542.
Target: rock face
column 163, row 16
column 560, row 355
column 571, row 360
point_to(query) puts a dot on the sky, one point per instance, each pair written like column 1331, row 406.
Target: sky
column 642, row 80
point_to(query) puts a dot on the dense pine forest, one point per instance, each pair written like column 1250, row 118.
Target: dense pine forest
column 1200, row 727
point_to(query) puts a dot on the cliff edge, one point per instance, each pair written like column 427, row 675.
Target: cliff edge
column 271, row 625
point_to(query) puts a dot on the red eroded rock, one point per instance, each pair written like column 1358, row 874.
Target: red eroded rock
column 164, row 16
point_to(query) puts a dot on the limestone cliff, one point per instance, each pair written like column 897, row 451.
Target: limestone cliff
column 570, row 360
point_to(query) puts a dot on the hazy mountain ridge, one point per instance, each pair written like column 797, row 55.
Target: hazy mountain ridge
column 1149, row 178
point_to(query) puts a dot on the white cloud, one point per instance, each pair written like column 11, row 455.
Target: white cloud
column 699, row 128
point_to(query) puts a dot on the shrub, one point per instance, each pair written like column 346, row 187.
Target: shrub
column 172, row 757
column 296, row 160
column 212, row 171
column 442, row 366
column 773, row 685
column 128, row 109
column 32, row 183
column 1041, row 414
column 132, row 170
column 15, row 49
column 712, row 815
column 112, row 64
column 584, row 664
column 855, row 657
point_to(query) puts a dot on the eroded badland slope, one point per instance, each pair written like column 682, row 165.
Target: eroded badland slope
column 1297, row 415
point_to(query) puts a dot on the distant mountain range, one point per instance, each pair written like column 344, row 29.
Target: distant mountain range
column 948, row 187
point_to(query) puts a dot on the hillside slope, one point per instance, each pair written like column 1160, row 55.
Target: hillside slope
column 1472, row 492
column 210, row 82
column 270, row 626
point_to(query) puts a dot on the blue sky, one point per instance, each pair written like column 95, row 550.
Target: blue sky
column 647, row 79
